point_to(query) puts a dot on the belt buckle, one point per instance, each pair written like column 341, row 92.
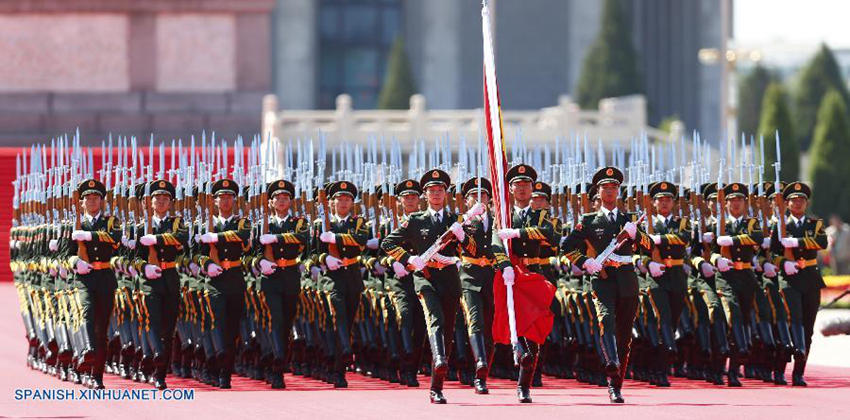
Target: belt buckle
column 668, row 262
column 801, row 263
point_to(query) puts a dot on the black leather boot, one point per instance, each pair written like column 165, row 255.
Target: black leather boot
column 439, row 366
column 611, row 359
column 482, row 366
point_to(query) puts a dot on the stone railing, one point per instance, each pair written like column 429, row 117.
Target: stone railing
column 618, row 119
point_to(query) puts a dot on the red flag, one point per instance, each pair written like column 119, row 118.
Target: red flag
column 532, row 296
column 527, row 302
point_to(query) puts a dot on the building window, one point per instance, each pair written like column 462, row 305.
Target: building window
column 355, row 38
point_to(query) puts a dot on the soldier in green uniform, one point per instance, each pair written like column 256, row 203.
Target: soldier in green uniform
column 708, row 285
column 409, row 313
column 157, row 254
column 476, row 280
column 530, row 230
column 338, row 249
column 437, row 281
column 221, row 260
column 614, row 281
column 666, row 278
column 732, row 254
column 796, row 256
column 279, row 255
column 90, row 252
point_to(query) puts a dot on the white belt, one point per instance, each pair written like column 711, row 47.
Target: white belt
column 622, row 259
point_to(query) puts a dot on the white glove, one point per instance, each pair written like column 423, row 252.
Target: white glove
column 148, row 240
column 576, row 270
column 372, row 243
column 195, row 269
column 82, row 267
column 505, row 234
column 63, row 272
column 707, row 270
column 417, row 262
column 399, row 269
column 196, row 238
column 152, row 271
column 790, row 268
column 314, row 272
column 268, row 239
column 756, row 264
column 81, row 235
column 266, row 267
column 131, row 243
column 707, row 237
column 790, row 242
column 476, row 210
column 656, row 269
column 631, row 229
column 723, row 264
column 209, row 238
column 592, row 266
column 53, row 245
column 302, row 269
column 12, row 243
column 19, row 244
column 442, row 259
column 132, row 271
column 641, row 266
column 656, row 239
column 765, row 244
column 328, row 237
column 769, row 270
column 508, row 276
column 379, row 269
column 214, row 270
column 255, row 271
column 332, row 262
column 457, row 229
column 725, row 241
column 687, row 268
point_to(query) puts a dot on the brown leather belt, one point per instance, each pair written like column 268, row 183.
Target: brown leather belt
column 806, row 263
column 436, row 265
column 167, row 265
column 283, row 262
column 481, row 261
column 534, row 261
column 227, row 264
column 616, row 264
column 100, row 265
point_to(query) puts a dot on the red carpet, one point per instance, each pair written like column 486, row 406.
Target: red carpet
column 826, row 397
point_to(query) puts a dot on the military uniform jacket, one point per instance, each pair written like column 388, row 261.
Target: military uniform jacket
column 421, row 231
column 593, row 234
column 811, row 238
column 477, row 245
column 234, row 236
column 747, row 238
column 105, row 240
column 293, row 237
column 172, row 236
column 351, row 234
column 536, row 231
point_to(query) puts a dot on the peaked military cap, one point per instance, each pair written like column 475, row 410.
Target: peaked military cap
column 408, row 186
column 735, row 189
column 607, row 175
column 435, row 177
column 471, row 186
column 91, row 186
column 342, row 188
column 521, row 172
column 163, row 186
column 280, row 186
column 225, row 186
column 663, row 189
column 797, row 189
column 541, row 188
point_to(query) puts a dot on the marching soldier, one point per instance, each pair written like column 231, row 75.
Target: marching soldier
column 530, row 231
column 614, row 281
column 338, row 249
column 666, row 278
column 476, row 280
column 279, row 286
column 732, row 254
column 795, row 254
column 436, row 282
column 90, row 251
column 157, row 253
column 221, row 260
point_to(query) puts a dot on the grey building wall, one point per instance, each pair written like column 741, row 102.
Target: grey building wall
column 295, row 53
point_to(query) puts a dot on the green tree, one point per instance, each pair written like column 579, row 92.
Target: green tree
column 829, row 170
column 611, row 66
column 775, row 117
column 751, row 91
column 819, row 76
column 398, row 82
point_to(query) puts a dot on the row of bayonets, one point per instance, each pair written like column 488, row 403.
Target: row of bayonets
column 47, row 177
